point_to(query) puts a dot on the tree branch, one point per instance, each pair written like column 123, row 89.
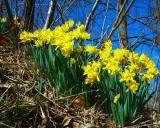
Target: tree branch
column 8, row 11
column 50, row 14
column 91, row 14
column 117, row 25
column 146, row 24
column 102, row 34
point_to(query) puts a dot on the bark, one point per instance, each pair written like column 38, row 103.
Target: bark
column 157, row 18
column 1, row 8
column 120, row 18
column 8, row 11
column 123, row 38
column 50, row 14
column 28, row 15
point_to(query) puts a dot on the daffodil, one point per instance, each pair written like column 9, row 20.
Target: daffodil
column 133, row 67
column 104, row 55
column 85, row 36
column 127, row 76
column 3, row 20
column 97, row 65
column 108, row 45
column 132, row 85
column 133, row 57
column 72, row 61
column 37, row 71
column 153, row 71
column 67, row 49
column 150, row 64
column 143, row 59
column 26, row 36
column 38, row 43
column 92, row 70
column 121, row 55
column 15, row 19
column 116, row 98
column 91, row 49
column 147, row 77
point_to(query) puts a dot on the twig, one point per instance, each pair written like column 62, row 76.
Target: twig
column 91, row 14
column 4, row 93
column 2, row 124
column 17, row 81
column 64, row 12
column 104, row 22
column 117, row 25
column 101, row 104
column 120, row 12
column 146, row 24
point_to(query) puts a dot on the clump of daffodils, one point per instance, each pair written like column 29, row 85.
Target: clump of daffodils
column 3, row 20
column 91, row 49
column 62, row 37
column 72, row 62
column 92, row 70
column 123, row 62
column 120, row 61
column 15, row 20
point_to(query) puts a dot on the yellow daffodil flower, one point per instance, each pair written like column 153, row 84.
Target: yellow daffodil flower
column 127, row 76
column 3, row 20
column 72, row 61
column 91, row 49
column 116, row 98
column 132, row 85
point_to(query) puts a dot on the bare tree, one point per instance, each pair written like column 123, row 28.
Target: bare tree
column 123, row 37
column 1, row 8
column 8, row 11
column 88, row 20
column 50, row 14
column 28, row 15
column 157, row 19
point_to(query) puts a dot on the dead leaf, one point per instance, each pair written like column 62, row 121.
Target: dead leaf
column 79, row 101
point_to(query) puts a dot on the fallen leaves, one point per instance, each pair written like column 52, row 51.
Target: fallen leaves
column 79, row 101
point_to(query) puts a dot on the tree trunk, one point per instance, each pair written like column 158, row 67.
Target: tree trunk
column 157, row 18
column 8, row 11
column 50, row 14
column 1, row 8
column 123, row 26
column 28, row 15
